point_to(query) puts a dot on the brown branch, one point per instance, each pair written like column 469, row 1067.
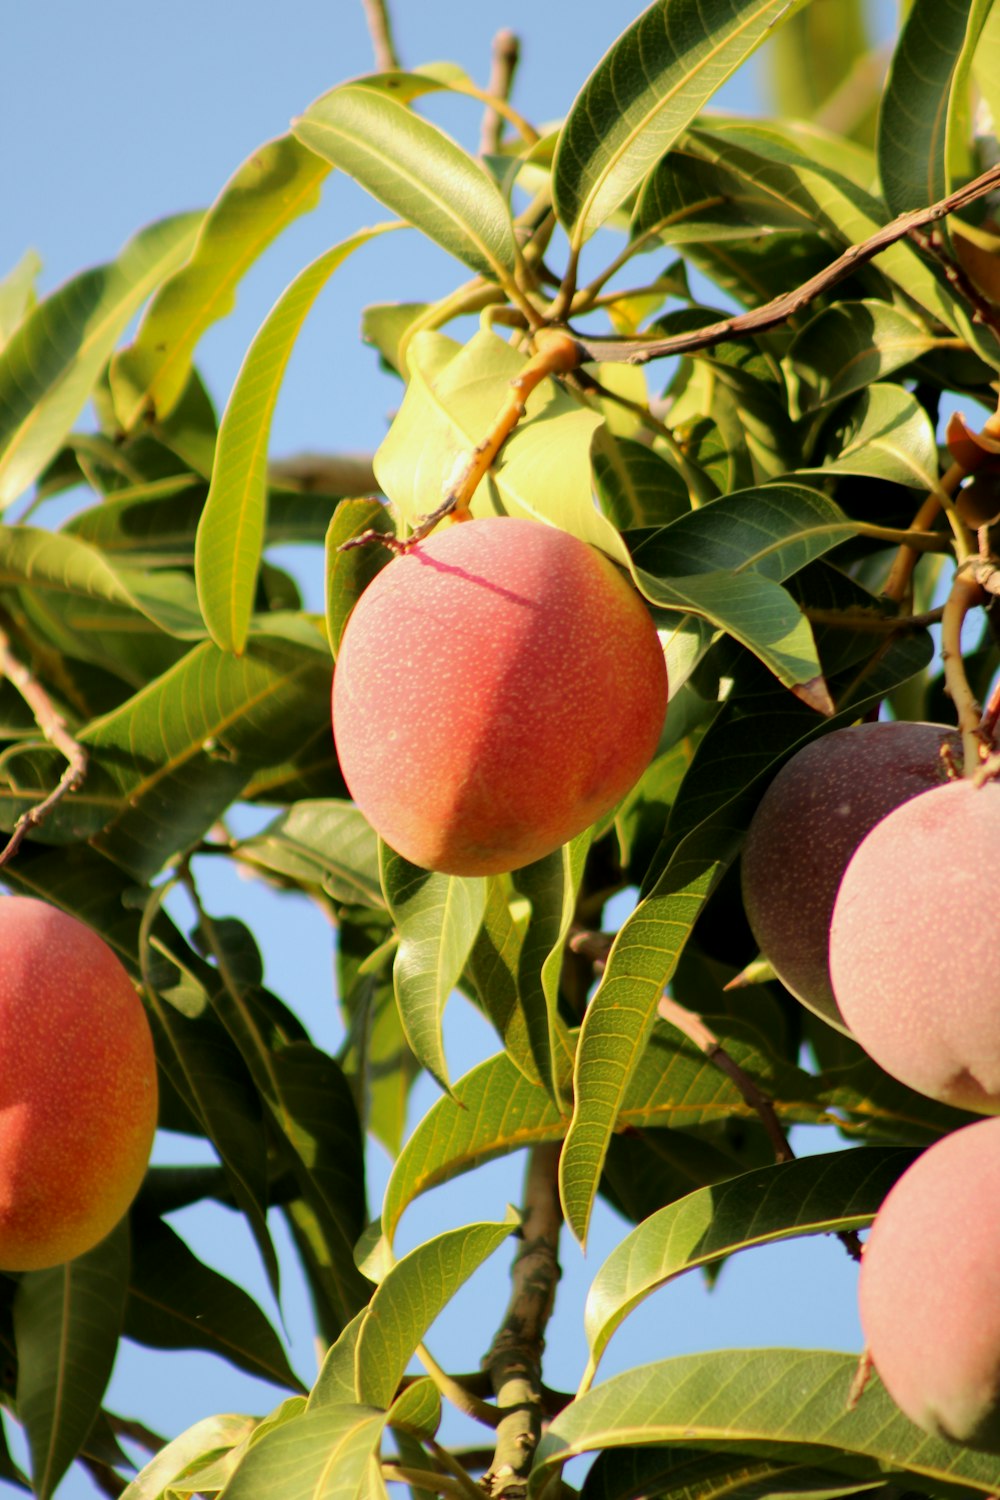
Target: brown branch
column 983, row 310
column 380, row 31
column 514, row 1362
column 56, row 731
column 780, row 309
column 505, row 57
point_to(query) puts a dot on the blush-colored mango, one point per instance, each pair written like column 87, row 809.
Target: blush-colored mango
column 929, row 1291
column 78, row 1091
column 499, row 687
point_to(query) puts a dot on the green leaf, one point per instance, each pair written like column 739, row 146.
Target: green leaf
column 191, row 1453
column 321, row 843
column 17, row 294
column 890, row 437
column 319, row 1455
column 651, row 84
column 336, row 1383
column 815, row 1195
column 176, row 1302
column 453, row 395
column 280, row 181
column 852, row 345
column 66, row 1325
column 551, row 887
column 413, row 1293
column 182, row 748
column 417, row 1409
column 231, row 530
column 349, row 573
column 775, row 1403
column 437, row 917
column 49, row 366
column 917, row 101
column 492, row 1111
column 636, row 486
column 416, row 170
column 676, row 1473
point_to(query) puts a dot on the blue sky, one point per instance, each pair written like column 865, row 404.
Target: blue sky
column 112, row 114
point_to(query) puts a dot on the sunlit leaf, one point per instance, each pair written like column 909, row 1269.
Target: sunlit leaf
column 890, row 437
column 415, row 169
column 326, row 844
column 280, row 181
column 52, row 361
column 321, row 1454
column 853, row 344
column 651, row 84
column 231, row 529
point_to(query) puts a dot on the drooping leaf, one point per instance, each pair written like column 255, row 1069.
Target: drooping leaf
column 327, row 844
column 415, row 169
column 231, row 528
column 52, row 361
column 651, row 84
column 412, row 1294
column 789, row 1404
column 814, row 1195
column 437, row 917
column 280, row 181
column 348, row 573
column 66, row 1325
column 176, row 1302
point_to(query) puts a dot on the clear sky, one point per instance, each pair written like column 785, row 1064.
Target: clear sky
column 112, row 114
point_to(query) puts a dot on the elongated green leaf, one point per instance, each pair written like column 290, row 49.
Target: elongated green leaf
column 320, row 1455
column 323, row 843
column 349, row 573
column 411, row 1296
column 816, row 1195
column 181, row 749
column 336, row 1383
column 195, row 1449
column 66, row 1326
column 493, row 1110
column 49, row 366
column 438, row 917
column 492, row 974
column 913, row 119
column 651, row 84
column 780, row 1403
column 415, row 169
column 231, row 529
column 280, row 181
column 890, row 437
column 176, row 1302
column 551, row 887
column 850, row 346
column 17, row 293
column 676, row 1473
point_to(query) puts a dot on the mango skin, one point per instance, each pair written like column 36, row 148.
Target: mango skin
column 499, row 687
column 78, row 1090
column 807, row 826
column 915, row 946
column 929, row 1290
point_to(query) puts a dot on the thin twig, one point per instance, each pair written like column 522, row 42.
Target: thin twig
column 463, row 1399
column 505, row 56
column 780, row 309
column 514, row 1361
column 56, row 731
column 423, row 1479
column 866, row 620
column 983, row 310
column 694, row 1028
column 380, row 31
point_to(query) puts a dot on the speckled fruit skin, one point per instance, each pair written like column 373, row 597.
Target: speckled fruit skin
column 78, row 1093
column 915, row 946
column 808, row 824
column 929, row 1292
column 499, row 687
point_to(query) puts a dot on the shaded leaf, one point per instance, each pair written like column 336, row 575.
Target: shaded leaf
column 52, row 361
column 324, row 843
column 231, row 528
column 890, row 437
column 415, row 169
column 676, row 1473
column 280, row 181
column 852, row 345
column 349, row 573
column 66, row 1325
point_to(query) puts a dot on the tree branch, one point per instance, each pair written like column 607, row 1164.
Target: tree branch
column 505, row 56
column 780, row 309
column 380, row 31
column 514, row 1362
column 54, row 727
